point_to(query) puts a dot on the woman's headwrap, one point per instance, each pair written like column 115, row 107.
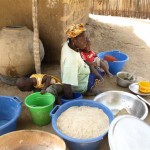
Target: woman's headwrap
column 74, row 30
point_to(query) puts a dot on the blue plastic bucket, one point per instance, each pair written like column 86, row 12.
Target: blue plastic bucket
column 10, row 109
column 79, row 144
column 115, row 66
column 76, row 96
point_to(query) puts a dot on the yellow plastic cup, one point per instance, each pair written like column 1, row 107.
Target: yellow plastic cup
column 144, row 86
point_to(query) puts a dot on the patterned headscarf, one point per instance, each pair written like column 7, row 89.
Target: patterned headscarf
column 74, row 30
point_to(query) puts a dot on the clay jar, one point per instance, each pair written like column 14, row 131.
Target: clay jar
column 16, row 52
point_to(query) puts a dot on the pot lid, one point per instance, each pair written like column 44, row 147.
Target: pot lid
column 129, row 133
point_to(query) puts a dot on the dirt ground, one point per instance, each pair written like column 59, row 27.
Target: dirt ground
column 106, row 33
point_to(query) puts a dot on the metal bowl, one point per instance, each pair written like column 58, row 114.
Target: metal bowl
column 119, row 100
column 122, row 79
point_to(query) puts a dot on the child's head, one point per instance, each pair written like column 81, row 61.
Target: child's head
column 24, row 84
column 88, row 44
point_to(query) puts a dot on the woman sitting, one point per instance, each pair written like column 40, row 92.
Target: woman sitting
column 74, row 71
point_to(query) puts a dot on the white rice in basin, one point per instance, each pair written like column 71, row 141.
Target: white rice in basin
column 83, row 122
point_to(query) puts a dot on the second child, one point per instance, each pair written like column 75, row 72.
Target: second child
column 95, row 63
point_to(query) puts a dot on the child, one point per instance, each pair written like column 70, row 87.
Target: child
column 42, row 82
column 94, row 61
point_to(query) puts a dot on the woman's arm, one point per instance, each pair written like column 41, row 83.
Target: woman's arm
column 67, row 91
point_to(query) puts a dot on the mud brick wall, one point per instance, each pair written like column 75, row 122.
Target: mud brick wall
column 54, row 16
column 75, row 11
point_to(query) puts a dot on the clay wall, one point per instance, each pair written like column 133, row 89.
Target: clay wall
column 54, row 16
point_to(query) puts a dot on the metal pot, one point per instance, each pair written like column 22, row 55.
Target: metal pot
column 124, row 79
column 119, row 100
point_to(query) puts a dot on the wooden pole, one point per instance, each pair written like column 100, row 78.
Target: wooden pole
column 36, row 44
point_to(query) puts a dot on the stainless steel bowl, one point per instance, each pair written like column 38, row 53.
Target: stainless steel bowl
column 122, row 79
column 119, row 100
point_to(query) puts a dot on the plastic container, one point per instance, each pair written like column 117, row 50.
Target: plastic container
column 76, row 96
column 10, row 109
column 144, row 86
column 118, row 65
column 79, row 144
column 40, row 106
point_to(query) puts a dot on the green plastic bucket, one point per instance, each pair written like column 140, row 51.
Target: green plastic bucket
column 40, row 106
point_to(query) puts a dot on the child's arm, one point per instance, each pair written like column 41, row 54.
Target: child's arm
column 46, row 79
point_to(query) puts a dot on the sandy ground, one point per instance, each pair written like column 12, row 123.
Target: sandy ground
column 106, row 33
